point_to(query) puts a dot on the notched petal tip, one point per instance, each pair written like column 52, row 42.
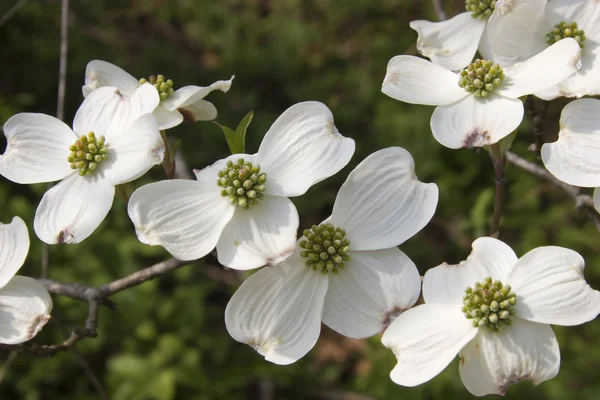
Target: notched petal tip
column 390, row 316
column 477, row 138
column 65, row 237
column 37, row 324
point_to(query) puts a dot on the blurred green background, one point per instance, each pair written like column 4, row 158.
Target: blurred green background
column 167, row 339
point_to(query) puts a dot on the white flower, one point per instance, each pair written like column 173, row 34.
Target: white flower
column 573, row 158
column 110, row 144
column 175, row 105
column 25, row 304
column 454, row 42
column 240, row 204
column 526, row 35
column 358, row 282
column 480, row 105
column 509, row 302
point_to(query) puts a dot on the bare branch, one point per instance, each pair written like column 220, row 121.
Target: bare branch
column 499, row 161
column 439, row 10
column 12, row 11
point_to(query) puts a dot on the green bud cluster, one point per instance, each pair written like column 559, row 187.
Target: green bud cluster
column 242, row 182
column 481, row 77
column 164, row 86
column 87, row 153
column 489, row 304
column 481, row 9
column 326, row 248
column 564, row 30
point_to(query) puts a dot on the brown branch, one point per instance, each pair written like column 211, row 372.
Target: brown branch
column 537, row 110
column 499, row 161
column 583, row 202
column 12, row 11
column 439, row 9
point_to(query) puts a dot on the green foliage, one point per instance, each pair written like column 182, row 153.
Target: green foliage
column 167, row 339
column 236, row 140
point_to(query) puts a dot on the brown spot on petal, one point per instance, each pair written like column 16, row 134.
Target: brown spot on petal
column 37, row 324
column 391, row 315
column 188, row 115
column 476, row 138
column 462, row 361
column 276, row 259
column 65, row 236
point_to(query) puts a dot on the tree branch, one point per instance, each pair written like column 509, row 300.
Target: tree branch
column 439, row 9
column 499, row 161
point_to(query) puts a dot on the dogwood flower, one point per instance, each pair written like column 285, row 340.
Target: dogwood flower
column 573, row 158
column 480, row 105
column 25, row 304
column 520, row 35
column 240, row 204
column 111, row 143
column 175, row 105
column 454, row 42
column 347, row 271
column 493, row 310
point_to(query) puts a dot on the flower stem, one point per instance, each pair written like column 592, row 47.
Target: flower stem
column 499, row 161
column 168, row 163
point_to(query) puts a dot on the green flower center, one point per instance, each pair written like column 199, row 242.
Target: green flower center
column 242, row 182
column 481, row 77
column 326, row 248
column 481, row 9
column 489, row 304
column 164, row 86
column 564, row 30
column 87, row 153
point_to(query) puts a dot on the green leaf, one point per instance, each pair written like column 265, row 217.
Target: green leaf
column 506, row 142
column 236, row 140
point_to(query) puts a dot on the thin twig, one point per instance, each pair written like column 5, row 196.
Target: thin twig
column 582, row 201
column 12, row 11
column 537, row 110
column 499, row 161
column 439, row 10
column 11, row 357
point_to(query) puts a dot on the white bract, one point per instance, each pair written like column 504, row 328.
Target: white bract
column 240, row 204
column 526, row 35
column 112, row 142
column 175, row 105
column 573, row 158
column 25, row 304
column 346, row 272
column 493, row 310
column 480, row 105
column 454, row 42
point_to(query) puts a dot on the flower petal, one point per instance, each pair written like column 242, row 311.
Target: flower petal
column 72, row 210
column 382, row 203
column 494, row 360
column 551, row 289
column 187, row 95
column 487, row 53
column 425, row 339
column 106, row 112
column 14, row 246
column 418, row 81
column 167, row 119
column 370, row 292
column 277, row 311
column 201, row 110
column 543, row 70
column 476, row 122
column 447, row 283
column 597, row 199
column 513, row 29
column 101, row 73
column 183, row 216
column 25, row 307
column 586, row 13
column 451, row 43
column 573, row 158
column 301, row 148
column 133, row 152
column 264, row 234
column 37, row 149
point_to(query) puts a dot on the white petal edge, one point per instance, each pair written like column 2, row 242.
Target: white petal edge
column 37, row 149
column 133, row 152
column 425, row 339
column 264, row 234
column 451, row 43
column 301, row 148
column 585, row 12
column 183, row 216
column 73, row 209
column 543, row 70
column 551, row 288
column 597, row 199
column 277, row 311
column 476, row 122
column 14, row 246
column 167, row 119
column 573, row 158
column 370, row 292
column 494, row 360
column 101, row 73
column 382, row 203
column 417, row 81
column 187, row 95
column 25, row 307
column 447, row 283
